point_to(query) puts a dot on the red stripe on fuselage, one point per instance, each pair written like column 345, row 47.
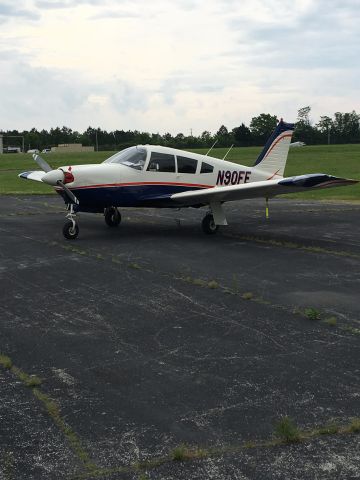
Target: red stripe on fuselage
column 130, row 184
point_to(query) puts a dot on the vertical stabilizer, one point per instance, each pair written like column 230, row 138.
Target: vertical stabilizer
column 273, row 157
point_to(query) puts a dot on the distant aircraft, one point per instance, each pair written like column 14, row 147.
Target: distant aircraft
column 297, row 144
column 155, row 176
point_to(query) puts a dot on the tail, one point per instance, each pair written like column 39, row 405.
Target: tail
column 274, row 155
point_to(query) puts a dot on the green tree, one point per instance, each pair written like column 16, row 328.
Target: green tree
column 242, row 135
column 207, row 139
column 223, row 137
column 346, row 127
column 304, row 115
column 262, row 126
column 325, row 126
column 304, row 131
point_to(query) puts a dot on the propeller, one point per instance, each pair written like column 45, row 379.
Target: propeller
column 53, row 179
column 42, row 163
column 68, row 192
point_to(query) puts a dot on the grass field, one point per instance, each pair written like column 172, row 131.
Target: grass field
column 338, row 160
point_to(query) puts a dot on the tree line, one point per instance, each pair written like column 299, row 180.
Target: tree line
column 342, row 128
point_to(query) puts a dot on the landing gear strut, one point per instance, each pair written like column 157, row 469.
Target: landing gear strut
column 112, row 216
column 71, row 228
column 208, row 224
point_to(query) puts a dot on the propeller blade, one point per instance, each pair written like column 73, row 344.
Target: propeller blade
column 68, row 193
column 42, row 163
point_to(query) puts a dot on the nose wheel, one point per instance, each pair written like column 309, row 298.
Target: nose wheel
column 71, row 228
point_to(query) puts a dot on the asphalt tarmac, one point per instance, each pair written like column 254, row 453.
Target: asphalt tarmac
column 154, row 335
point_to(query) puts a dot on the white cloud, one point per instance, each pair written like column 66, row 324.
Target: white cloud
column 170, row 67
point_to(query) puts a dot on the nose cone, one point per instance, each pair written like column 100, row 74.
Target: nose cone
column 52, row 177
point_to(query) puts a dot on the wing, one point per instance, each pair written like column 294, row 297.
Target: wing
column 267, row 188
column 35, row 175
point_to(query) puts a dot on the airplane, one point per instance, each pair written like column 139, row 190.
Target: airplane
column 157, row 176
column 297, row 144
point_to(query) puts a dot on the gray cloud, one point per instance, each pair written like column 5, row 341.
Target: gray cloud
column 8, row 11
column 188, row 82
column 115, row 15
column 41, row 96
column 325, row 36
column 126, row 97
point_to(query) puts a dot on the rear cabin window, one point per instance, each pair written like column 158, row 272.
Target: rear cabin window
column 206, row 168
column 186, row 165
column 161, row 162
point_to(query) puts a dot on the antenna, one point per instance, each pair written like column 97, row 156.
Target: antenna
column 212, row 146
column 226, row 154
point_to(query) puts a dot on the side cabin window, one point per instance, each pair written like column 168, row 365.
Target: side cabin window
column 161, row 162
column 186, row 165
column 206, row 168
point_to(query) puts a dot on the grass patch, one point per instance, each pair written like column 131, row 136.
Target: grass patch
column 5, row 361
column 33, row 381
column 28, row 380
column 354, row 426
column 183, row 452
column 53, row 410
column 331, row 321
column 287, row 431
column 330, row 429
column 179, row 453
column 247, row 295
column 338, row 160
column 349, row 328
column 8, row 463
column 249, row 444
column 135, row 266
column 312, row 314
column 213, row 284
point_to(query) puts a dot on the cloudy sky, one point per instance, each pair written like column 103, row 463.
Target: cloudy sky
column 174, row 66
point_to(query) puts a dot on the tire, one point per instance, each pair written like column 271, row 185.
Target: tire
column 208, row 225
column 69, row 231
column 112, row 217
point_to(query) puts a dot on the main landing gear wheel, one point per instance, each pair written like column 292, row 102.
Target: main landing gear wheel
column 208, row 224
column 71, row 230
column 112, row 216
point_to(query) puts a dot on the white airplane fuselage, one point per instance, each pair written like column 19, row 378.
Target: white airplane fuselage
column 115, row 184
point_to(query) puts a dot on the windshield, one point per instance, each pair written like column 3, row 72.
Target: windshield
column 133, row 157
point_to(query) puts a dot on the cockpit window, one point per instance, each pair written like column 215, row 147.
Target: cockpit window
column 133, row 157
column 161, row 162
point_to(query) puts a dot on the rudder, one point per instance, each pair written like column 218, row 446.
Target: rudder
column 273, row 157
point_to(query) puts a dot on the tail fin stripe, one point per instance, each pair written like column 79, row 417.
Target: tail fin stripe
column 282, row 128
column 274, row 175
column 276, row 142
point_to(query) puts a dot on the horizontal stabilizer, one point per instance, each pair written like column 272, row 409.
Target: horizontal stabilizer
column 316, row 180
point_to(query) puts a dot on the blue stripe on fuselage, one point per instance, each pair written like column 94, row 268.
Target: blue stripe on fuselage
column 98, row 198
